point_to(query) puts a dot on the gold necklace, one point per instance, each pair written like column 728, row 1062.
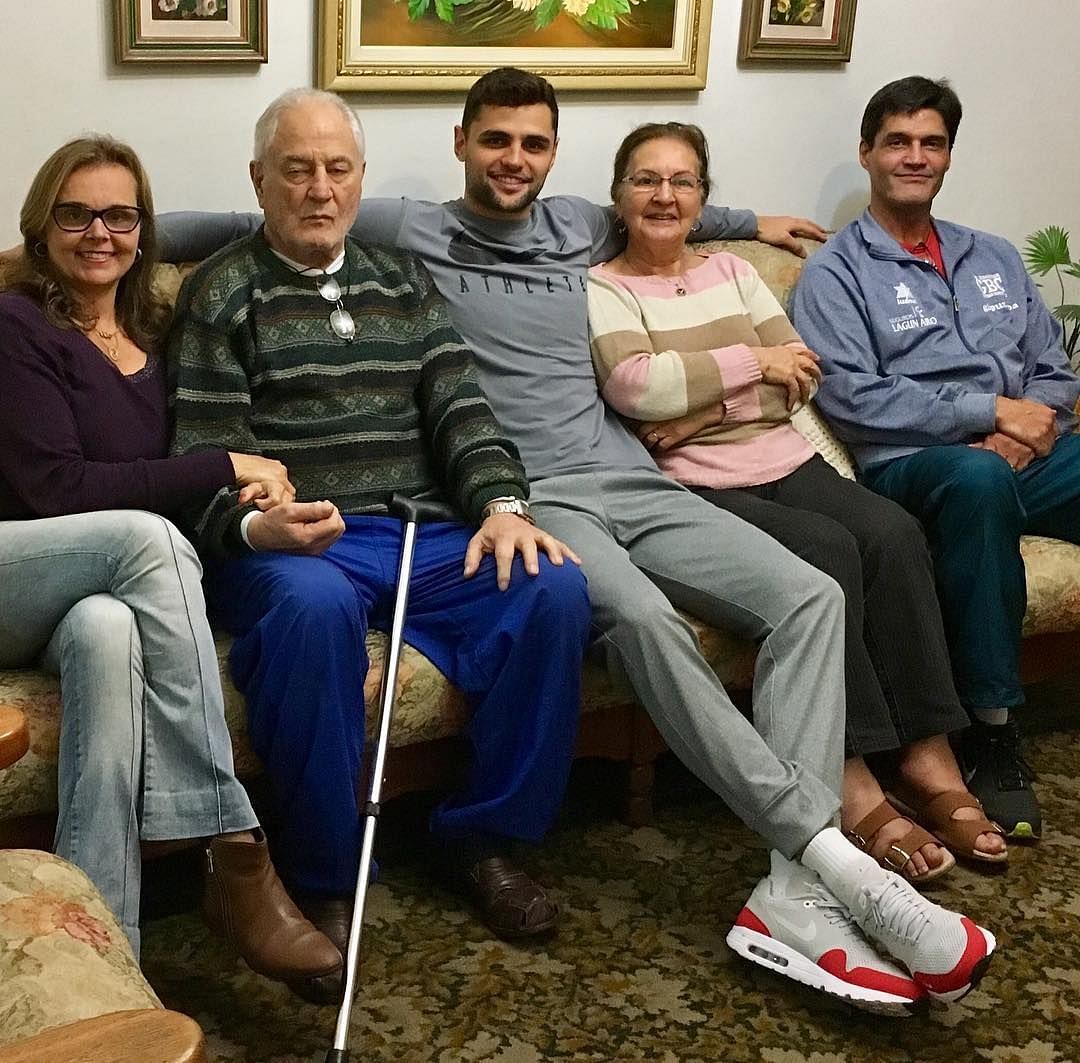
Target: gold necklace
column 111, row 349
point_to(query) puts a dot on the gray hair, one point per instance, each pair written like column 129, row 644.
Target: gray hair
column 266, row 126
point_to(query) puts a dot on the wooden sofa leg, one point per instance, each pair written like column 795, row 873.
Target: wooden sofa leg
column 645, row 746
column 639, row 791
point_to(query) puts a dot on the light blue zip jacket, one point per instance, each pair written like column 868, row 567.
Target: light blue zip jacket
column 911, row 359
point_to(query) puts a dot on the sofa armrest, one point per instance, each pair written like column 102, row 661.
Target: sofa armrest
column 14, row 735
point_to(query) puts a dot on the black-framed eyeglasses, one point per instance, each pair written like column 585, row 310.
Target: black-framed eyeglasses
column 682, row 184
column 78, row 217
column 341, row 321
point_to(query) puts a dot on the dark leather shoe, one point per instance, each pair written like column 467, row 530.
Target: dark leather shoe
column 333, row 916
column 511, row 903
column 245, row 902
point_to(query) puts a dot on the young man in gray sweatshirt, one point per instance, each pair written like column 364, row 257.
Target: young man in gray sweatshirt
column 513, row 268
column 944, row 373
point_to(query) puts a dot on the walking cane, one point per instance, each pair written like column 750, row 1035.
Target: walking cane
column 411, row 512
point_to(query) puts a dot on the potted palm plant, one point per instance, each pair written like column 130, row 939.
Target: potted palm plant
column 1048, row 250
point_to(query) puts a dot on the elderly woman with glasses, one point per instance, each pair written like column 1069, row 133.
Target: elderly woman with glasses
column 696, row 350
column 95, row 582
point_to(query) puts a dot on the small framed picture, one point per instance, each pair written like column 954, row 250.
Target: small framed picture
column 190, row 31
column 797, row 31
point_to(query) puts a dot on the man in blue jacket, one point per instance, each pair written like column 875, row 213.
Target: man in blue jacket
column 944, row 373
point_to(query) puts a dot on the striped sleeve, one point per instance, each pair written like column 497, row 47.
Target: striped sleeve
column 211, row 407
column 766, row 314
column 650, row 374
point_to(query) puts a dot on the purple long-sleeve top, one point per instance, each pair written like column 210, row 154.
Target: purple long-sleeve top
column 76, row 435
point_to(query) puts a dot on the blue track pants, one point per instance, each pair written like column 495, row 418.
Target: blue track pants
column 300, row 660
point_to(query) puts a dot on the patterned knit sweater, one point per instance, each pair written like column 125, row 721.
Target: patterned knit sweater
column 664, row 347
column 256, row 368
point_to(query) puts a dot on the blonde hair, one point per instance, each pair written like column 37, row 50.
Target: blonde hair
column 140, row 311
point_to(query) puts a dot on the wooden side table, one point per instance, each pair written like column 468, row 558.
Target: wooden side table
column 152, row 1035
column 14, row 735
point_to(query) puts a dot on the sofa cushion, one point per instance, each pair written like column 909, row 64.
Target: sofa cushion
column 427, row 708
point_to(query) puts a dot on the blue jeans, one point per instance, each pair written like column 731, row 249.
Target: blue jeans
column 111, row 603
column 300, row 660
column 974, row 509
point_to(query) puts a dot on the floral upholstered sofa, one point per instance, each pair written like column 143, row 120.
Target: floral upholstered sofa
column 72, row 989
column 430, row 713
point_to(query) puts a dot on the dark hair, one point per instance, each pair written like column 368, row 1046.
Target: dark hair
column 690, row 135
column 507, row 86
column 140, row 310
column 907, row 96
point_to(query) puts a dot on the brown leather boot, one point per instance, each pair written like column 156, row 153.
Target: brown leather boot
column 246, row 903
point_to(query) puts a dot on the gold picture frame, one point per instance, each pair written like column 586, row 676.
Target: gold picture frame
column 190, row 31
column 445, row 45
column 797, row 31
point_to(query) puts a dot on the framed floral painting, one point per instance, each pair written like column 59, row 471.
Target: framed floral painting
column 439, row 45
column 202, row 31
column 797, row 30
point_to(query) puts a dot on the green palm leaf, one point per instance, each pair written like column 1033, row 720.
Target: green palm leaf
column 1048, row 248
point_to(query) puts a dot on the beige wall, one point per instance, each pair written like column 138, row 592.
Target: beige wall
column 784, row 140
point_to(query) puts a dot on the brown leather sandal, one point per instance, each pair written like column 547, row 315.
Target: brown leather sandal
column 959, row 835
column 895, row 856
column 511, row 903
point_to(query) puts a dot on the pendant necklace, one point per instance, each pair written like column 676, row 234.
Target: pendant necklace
column 680, row 282
column 108, row 343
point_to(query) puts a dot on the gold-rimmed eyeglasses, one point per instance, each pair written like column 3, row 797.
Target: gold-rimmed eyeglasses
column 682, row 184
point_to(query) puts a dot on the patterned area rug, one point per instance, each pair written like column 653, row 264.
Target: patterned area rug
column 639, row 969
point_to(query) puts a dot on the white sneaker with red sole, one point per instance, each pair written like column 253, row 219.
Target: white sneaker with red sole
column 946, row 953
column 794, row 926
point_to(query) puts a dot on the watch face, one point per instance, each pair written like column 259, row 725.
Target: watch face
column 515, row 506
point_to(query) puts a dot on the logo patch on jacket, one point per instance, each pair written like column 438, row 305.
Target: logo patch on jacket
column 904, row 296
column 989, row 284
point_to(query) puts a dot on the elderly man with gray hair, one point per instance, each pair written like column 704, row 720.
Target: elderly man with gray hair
column 340, row 361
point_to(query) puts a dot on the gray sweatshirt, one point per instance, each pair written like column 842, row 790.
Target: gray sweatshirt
column 517, row 295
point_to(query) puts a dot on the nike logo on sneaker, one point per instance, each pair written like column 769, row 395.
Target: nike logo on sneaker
column 805, row 932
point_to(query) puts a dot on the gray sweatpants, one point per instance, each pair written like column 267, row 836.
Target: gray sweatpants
column 647, row 544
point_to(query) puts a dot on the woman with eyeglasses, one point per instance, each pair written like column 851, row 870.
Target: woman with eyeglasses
column 95, row 582
column 697, row 351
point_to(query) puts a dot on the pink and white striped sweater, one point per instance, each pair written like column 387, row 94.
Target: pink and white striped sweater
column 664, row 347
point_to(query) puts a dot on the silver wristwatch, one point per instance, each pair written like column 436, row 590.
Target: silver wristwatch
column 518, row 506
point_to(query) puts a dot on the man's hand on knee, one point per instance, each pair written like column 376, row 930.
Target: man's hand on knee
column 1028, row 422
column 505, row 535
column 1018, row 455
column 297, row 528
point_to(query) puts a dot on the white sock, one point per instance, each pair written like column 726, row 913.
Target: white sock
column 840, row 865
column 994, row 717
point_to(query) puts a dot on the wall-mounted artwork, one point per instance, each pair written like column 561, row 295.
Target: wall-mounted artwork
column 183, row 31
column 439, row 45
column 797, row 30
